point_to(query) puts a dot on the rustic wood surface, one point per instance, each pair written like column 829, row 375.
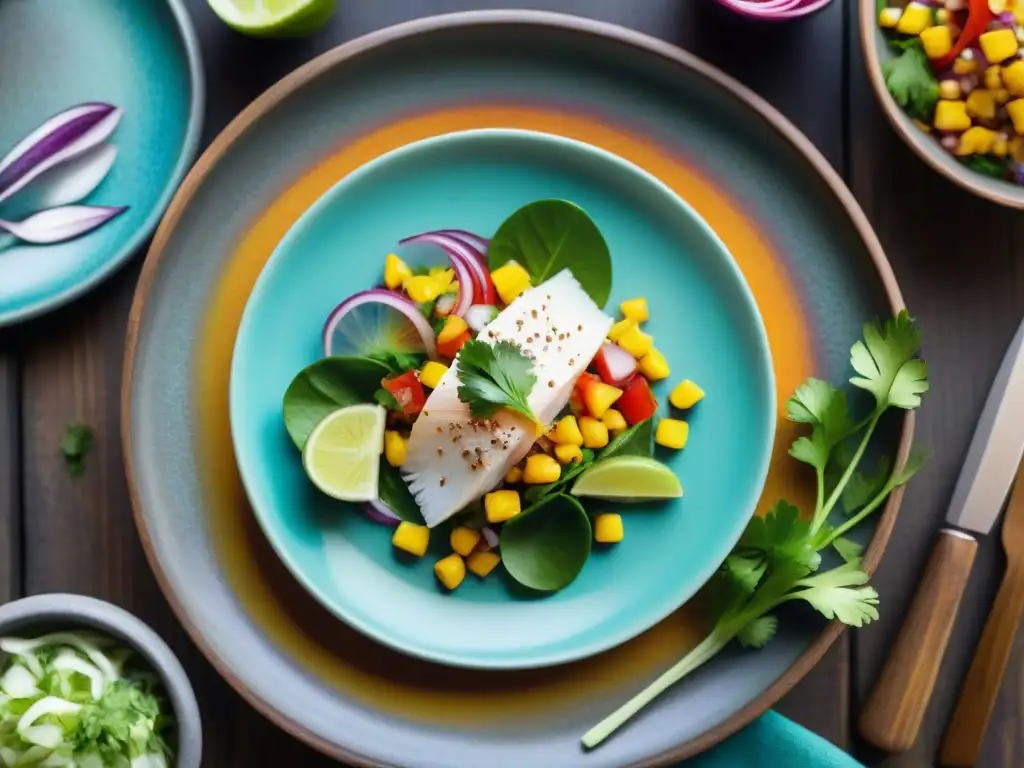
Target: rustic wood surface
column 955, row 257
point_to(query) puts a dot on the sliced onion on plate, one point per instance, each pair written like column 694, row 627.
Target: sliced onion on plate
column 378, row 512
column 614, row 364
column 474, row 241
column 377, row 319
column 479, row 316
column 460, row 251
column 490, row 536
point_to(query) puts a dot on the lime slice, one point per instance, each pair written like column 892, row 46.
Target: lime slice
column 342, row 454
column 629, row 478
column 274, row 18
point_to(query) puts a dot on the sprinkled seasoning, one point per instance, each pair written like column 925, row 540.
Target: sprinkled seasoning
column 439, row 430
column 440, row 451
column 579, row 327
column 552, row 382
column 441, row 482
column 533, row 313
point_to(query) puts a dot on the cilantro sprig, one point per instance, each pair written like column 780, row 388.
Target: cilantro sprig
column 911, row 81
column 778, row 557
column 495, row 376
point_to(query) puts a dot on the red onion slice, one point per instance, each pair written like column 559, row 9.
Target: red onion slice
column 457, row 249
column 378, row 512
column 477, row 243
column 388, row 298
column 621, row 364
column 490, row 536
column 59, row 224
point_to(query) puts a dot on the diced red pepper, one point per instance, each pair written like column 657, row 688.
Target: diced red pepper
column 408, row 391
column 979, row 16
column 637, row 402
column 451, row 348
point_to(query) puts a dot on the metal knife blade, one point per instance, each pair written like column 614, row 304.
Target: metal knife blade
column 996, row 448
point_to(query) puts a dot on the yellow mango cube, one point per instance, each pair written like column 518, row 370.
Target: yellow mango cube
column 421, row 288
column 981, row 104
column 951, row 116
column 464, row 540
column 1015, row 109
column 672, row 433
column 916, row 18
column 396, row 271
column 614, row 421
column 541, row 469
column 595, row 433
column 636, row 342
column 654, row 366
column 619, row 329
column 395, row 448
column 635, row 310
column 686, row 395
column 994, row 77
column 1013, row 78
column 510, row 280
column 1001, row 95
column 599, row 397
column 454, row 327
column 500, row 506
column 482, row 563
column 566, row 453
column 411, row 538
column 431, row 374
column 936, row 41
column 450, row 571
column 888, row 18
column 514, row 475
column 965, row 64
column 950, row 89
column 999, row 146
column 1015, row 147
column 608, row 528
column 976, row 141
column 567, row 431
column 998, row 45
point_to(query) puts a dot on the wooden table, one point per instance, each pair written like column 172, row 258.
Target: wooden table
column 956, row 257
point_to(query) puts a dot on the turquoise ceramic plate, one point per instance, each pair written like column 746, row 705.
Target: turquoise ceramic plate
column 703, row 318
column 140, row 55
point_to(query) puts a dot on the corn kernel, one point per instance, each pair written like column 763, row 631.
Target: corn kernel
column 614, row 420
column 432, row 373
column 482, row 563
column 994, row 77
column 1015, row 147
column 981, row 105
column 514, row 475
column 1013, row 78
column 654, row 366
column 608, row 528
column 998, row 45
column 965, row 65
column 888, row 18
column 450, row 571
column 411, row 538
column 636, row 342
column 443, row 278
column 463, row 540
column 672, row 433
column 599, row 397
column 686, row 395
column 976, row 141
column 567, row 431
column 949, row 89
column 922, row 126
column 395, row 448
column 635, row 310
column 421, row 288
column 396, row 271
column 454, row 326
column 951, row 116
column 936, row 41
column 1015, row 109
column 595, row 433
column 504, row 505
column 566, row 453
column 541, row 469
column 915, row 19
column 619, row 329
column 999, row 146
column 1001, row 95
column 510, row 280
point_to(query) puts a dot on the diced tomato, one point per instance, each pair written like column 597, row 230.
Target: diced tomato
column 408, row 391
column 637, row 402
column 451, row 348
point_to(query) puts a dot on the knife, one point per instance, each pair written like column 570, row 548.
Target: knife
column 892, row 716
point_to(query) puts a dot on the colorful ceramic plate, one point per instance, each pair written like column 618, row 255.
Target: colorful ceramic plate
column 140, row 56
column 703, row 318
column 804, row 247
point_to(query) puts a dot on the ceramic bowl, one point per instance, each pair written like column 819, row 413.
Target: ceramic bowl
column 47, row 613
column 774, row 10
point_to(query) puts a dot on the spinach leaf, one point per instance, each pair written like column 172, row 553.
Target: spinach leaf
column 75, row 446
column 638, row 440
column 392, row 490
column 398, row 362
column 547, row 236
column 535, row 493
column 545, row 546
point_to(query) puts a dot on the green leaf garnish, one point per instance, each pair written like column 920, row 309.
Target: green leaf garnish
column 385, row 399
column 638, row 440
column 495, row 376
column 75, row 446
column 911, row 82
column 996, row 167
column 545, row 546
column 888, row 364
column 535, row 493
column 398, row 362
column 757, row 633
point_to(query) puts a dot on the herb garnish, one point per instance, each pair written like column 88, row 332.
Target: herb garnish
column 495, row 376
column 75, row 446
column 911, row 82
column 778, row 556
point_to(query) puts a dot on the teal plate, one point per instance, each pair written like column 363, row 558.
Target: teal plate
column 140, row 55
column 704, row 320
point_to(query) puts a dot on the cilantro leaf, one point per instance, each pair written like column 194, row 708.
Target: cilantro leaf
column 824, row 407
column 495, row 376
column 781, row 536
column 987, row 165
column 854, row 607
column 848, row 549
column 911, row 82
column 75, row 446
column 862, row 486
column 887, row 362
column 915, row 460
column 757, row 633
column 386, row 400
column 745, row 570
column 398, row 362
column 124, row 721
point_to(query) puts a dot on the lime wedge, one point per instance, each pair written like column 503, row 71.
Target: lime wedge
column 342, row 454
column 628, row 478
column 274, row 18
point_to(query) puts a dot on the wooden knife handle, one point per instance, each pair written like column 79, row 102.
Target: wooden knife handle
column 894, row 711
column 977, row 698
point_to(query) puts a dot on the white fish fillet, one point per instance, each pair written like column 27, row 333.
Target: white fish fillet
column 454, row 459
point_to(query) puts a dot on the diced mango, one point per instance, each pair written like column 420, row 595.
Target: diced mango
column 1015, row 109
column 619, row 329
column 1013, row 78
column 396, row 271
column 994, row 77
column 510, row 280
column 976, row 141
column 482, row 563
column 936, row 41
column 608, row 528
column 395, row 448
column 981, row 104
column 443, row 278
column 614, row 420
column 576, row 402
column 595, row 433
column 636, row 342
column 888, row 18
column 922, row 126
column 411, row 538
column 464, row 540
column 654, row 366
column 431, row 374
column 951, row 116
column 950, row 89
column 635, row 310
column 599, row 397
column 998, row 45
column 686, row 395
column 421, row 288
column 500, row 506
column 1001, row 95
column 514, row 475
column 454, row 326
column 965, row 64
column 672, row 433
column 566, row 453
column 567, row 431
column 450, row 571
column 915, row 19
column 999, row 146
column 541, row 469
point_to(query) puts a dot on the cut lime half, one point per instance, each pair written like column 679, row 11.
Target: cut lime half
column 274, row 18
column 342, row 454
column 629, row 478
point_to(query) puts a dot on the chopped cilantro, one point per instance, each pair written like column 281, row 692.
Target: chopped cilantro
column 74, row 447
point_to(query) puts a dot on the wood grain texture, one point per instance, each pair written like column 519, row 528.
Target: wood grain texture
column 10, row 479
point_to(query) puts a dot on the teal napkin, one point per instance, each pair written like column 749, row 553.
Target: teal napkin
column 773, row 740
